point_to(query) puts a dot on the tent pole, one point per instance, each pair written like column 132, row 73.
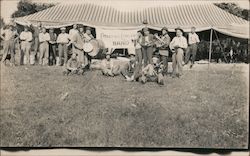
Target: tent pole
column 210, row 46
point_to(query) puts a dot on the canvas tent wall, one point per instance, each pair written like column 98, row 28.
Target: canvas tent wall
column 118, row 21
column 130, row 14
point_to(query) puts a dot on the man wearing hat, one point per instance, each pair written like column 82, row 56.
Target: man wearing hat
column 78, row 41
column 131, row 70
column 153, row 72
column 26, row 40
column 193, row 40
column 164, row 48
column 73, row 31
column 138, row 48
column 44, row 39
column 73, row 66
column 88, row 36
column 63, row 40
column 52, row 46
column 108, row 68
column 9, row 36
column 177, row 46
column 36, row 31
column 147, row 46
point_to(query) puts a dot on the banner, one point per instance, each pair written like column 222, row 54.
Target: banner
column 116, row 38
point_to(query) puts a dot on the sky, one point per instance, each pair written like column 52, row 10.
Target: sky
column 10, row 6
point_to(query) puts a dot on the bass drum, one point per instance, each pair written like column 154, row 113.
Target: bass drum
column 97, row 45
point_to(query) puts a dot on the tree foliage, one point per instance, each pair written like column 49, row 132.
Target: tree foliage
column 26, row 7
column 235, row 10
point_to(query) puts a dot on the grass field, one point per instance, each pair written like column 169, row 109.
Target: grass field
column 41, row 107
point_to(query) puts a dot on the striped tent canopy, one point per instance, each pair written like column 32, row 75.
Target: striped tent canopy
column 130, row 14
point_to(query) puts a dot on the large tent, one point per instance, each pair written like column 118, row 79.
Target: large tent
column 116, row 22
column 130, row 14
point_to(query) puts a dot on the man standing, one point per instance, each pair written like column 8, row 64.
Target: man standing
column 63, row 40
column 9, row 37
column 164, row 49
column 138, row 49
column 73, row 31
column 52, row 46
column 78, row 42
column 36, row 31
column 44, row 38
column 193, row 40
column 88, row 37
column 26, row 40
column 177, row 46
column 147, row 46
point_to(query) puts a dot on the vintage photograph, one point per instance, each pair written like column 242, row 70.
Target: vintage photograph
column 125, row 73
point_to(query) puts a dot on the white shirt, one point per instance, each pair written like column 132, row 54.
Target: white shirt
column 72, row 33
column 178, row 41
column 147, row 39
column 44, row 37
column 26, row 36
column 138, row 41
column 63, row 38
column 193, row 38
column 8, row 34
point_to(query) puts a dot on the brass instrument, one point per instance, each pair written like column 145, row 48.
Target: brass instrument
column 159, row 43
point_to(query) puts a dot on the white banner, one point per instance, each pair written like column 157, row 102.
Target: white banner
column 116, row 38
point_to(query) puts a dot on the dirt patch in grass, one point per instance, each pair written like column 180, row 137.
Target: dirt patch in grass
column 41, row 107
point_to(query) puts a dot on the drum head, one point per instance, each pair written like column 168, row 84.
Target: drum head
column 87, row 47
column 95, row 49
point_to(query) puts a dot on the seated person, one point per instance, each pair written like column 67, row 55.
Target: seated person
column 73, row 66
column 153, row 73
column 108, row 68
column 131, row 70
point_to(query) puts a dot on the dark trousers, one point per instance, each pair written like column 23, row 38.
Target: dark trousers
column 138, row 56
column 89, row 58
column 191, row 50
column 164, row 60
column 147, row 53
column 52, row 54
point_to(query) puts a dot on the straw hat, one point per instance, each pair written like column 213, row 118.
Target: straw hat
column 63, row 28
column 179, row 28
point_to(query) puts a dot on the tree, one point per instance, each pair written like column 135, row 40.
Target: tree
column 234, row 9
column 26, row 7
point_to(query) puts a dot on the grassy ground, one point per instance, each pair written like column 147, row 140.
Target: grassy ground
column 40, row 107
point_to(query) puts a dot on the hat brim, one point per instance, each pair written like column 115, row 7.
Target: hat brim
column 179, row 29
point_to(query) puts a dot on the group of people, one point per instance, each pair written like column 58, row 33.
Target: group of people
column 229, row 50
column 44, row 45
column 143, row 66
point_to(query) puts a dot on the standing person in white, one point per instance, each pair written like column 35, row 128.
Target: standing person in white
column 26, row 41
column 44, row 39
column 73, row 31
column 63, row 40
column 193, row 40
column 9, row 37
column 177, row 46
